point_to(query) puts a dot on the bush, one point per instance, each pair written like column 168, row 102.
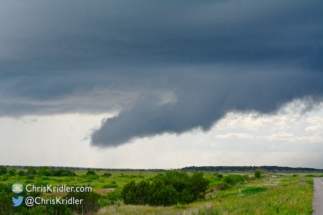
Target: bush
column 224, row 186
column 234, row 179
column 128, row 192
column 165, row 195
column 107, row 175
column 92, row 177
column 185, row 197
column 258, row 173
column 90, row 172
column 171, row 188
column 113, row 197
column 90, row 202
column 198, row 185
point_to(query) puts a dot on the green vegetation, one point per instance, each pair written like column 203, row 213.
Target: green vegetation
column 235, row 179
column 3, row 170
column 258, row 173
column 166, row 189
column 254, row 190
column 170, row 192
column 90, row 172
column 107, row 175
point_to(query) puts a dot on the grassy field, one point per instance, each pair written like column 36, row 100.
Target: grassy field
column 99, row 184
column 271, row 194
column 284, row 194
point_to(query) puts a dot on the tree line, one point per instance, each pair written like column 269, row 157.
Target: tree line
column 250, row 168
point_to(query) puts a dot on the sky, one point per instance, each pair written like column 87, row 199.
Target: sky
column 161, row 84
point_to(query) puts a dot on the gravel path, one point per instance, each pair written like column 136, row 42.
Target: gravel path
column 318, row 196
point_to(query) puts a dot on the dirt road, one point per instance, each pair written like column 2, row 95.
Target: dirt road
column 318, row 196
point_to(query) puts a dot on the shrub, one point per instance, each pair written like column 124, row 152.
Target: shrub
column 90, row 202
column 234, row 179
column 224, row 186
column 165, row 195
column 185, row 197
column 198, row 185
column 258, row 173
column 128, row 192
column 90, row 172
column 107, row 175
column 113, row 197
column 168, row 189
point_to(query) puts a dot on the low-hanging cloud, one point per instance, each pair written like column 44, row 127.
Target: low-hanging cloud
column 203, row 99
column 164, row 66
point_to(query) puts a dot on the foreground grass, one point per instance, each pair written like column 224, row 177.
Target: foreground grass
column 292, row 195
column 296, row 199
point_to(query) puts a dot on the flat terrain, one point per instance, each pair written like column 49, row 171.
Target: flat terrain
column 273, row 193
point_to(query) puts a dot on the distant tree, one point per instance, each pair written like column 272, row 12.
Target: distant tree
column 257, row 173
column 90, row 172
column 31, row 171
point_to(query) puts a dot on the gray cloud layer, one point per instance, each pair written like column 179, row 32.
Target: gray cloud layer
column 165, row 66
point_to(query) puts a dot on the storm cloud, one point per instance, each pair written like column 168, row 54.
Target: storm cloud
column 162, row 66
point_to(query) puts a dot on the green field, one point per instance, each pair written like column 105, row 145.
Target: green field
column 238, row 193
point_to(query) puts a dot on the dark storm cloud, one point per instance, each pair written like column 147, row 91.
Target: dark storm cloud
column 166, row 66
